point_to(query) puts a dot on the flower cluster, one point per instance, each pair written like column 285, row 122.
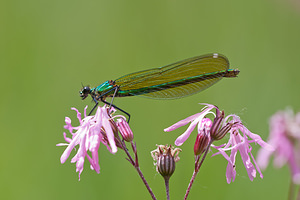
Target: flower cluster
column 211, row 130
column 285, row 138
column 92, row 131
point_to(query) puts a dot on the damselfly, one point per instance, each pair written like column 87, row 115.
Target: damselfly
column 176, row 80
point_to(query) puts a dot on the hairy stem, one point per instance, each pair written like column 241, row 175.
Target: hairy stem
column 136, row 166
column 197, row 168
column 167, row 187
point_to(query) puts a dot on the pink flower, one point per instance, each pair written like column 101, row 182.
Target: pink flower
column 92, row 131
column 284, row 137
column 238, row 141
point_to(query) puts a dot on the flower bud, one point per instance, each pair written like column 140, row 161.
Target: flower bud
column 217, row 131
column 201, row 143
column 125, row 130
column 223, row 131
column 217, row 123
column 166, row 165
column 165, row 157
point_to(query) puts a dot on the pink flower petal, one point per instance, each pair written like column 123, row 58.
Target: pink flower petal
column 183, row 137
column 194, row 119
column 182, row 122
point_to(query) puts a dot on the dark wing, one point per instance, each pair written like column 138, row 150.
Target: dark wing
column 181, row 72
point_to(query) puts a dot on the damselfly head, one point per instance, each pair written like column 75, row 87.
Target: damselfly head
column 84, row 92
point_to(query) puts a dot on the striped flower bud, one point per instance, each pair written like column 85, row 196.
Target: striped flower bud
column 165, row 157
column 125, row 130
column 201, row 143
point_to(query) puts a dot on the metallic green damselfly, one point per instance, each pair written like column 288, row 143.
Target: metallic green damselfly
column 176, row 80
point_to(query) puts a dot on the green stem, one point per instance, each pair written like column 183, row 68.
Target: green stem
column 298, row 195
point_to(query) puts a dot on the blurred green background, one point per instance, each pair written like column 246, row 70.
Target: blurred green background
column 48, row 48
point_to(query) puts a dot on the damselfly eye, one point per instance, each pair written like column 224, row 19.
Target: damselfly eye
column 85, row 92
